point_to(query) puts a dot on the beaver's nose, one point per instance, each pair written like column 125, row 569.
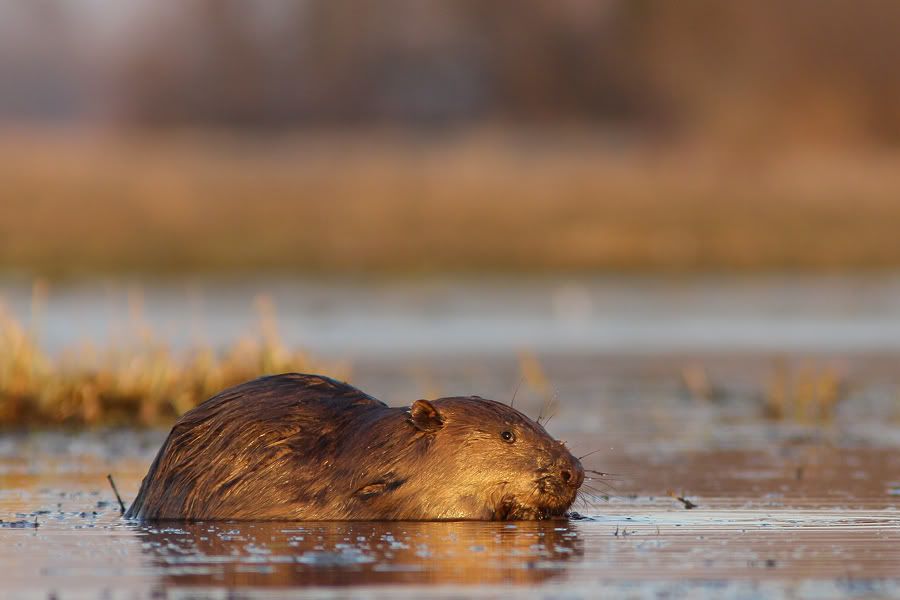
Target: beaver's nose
column 571, row 473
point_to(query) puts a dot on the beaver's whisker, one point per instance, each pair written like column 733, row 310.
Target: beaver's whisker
column 606, row 489
column 512, row 402
column 534, row 490
column 606, row 482
column 552, row 404
column 583, row 456
column 588, row 493
column 602, row 479
column 583, row 500
column 584, row 496
column 597, row 498
column 593, row 489
column 604, row 473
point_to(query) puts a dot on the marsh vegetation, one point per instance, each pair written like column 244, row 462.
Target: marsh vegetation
column 142, row 382
column 394, row 205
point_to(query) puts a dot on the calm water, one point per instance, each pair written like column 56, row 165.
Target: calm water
column 784, row 507
column 800, row 502
column 354, row 319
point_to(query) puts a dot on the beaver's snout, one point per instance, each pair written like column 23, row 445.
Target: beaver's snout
column 570, row 470
column 572, row 474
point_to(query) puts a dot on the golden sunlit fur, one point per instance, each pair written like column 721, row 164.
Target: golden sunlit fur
column 306, row 447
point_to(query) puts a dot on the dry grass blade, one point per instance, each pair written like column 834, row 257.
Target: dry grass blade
column 145, row 383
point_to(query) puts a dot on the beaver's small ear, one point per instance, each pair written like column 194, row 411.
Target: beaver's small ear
column 424, row 416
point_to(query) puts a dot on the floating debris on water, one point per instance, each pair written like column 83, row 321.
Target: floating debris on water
column 19, row 524
column 688, row 505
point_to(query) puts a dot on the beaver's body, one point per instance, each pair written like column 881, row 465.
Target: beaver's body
column 306, row 447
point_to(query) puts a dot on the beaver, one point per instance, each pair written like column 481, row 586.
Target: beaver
column 299, row 447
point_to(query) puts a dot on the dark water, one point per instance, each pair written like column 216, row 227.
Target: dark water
column 794, row 505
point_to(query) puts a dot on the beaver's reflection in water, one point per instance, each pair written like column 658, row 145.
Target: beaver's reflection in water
column 278, row 554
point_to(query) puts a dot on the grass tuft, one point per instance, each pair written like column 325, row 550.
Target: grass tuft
column 146, row 383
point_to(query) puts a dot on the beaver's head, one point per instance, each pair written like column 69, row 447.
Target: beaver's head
column 491, row 461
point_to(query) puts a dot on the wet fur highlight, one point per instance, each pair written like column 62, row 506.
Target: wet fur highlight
column 307, row 447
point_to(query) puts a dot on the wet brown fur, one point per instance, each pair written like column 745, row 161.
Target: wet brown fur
column 306, row 447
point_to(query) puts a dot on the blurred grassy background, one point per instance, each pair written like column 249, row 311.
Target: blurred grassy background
column 411, row 137
column 384, row 205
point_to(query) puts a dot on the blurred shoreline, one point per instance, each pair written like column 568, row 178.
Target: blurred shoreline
column 490, row 201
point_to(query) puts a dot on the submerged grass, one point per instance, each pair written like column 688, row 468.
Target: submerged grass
column 808, row 394
column 805, row 395
column 143, row 383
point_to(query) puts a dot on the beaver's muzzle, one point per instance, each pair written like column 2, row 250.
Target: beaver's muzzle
column 569, row 470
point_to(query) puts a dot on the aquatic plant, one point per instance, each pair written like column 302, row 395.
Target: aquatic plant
column 141, row 383
column 806, row 393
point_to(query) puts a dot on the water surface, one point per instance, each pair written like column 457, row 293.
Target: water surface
column 771, row 406
column 784, row 508
column 483, row 316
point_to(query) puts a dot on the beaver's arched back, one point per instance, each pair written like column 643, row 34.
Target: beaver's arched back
column 233, row 453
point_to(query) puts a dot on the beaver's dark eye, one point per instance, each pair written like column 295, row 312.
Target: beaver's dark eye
column 508, row 436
